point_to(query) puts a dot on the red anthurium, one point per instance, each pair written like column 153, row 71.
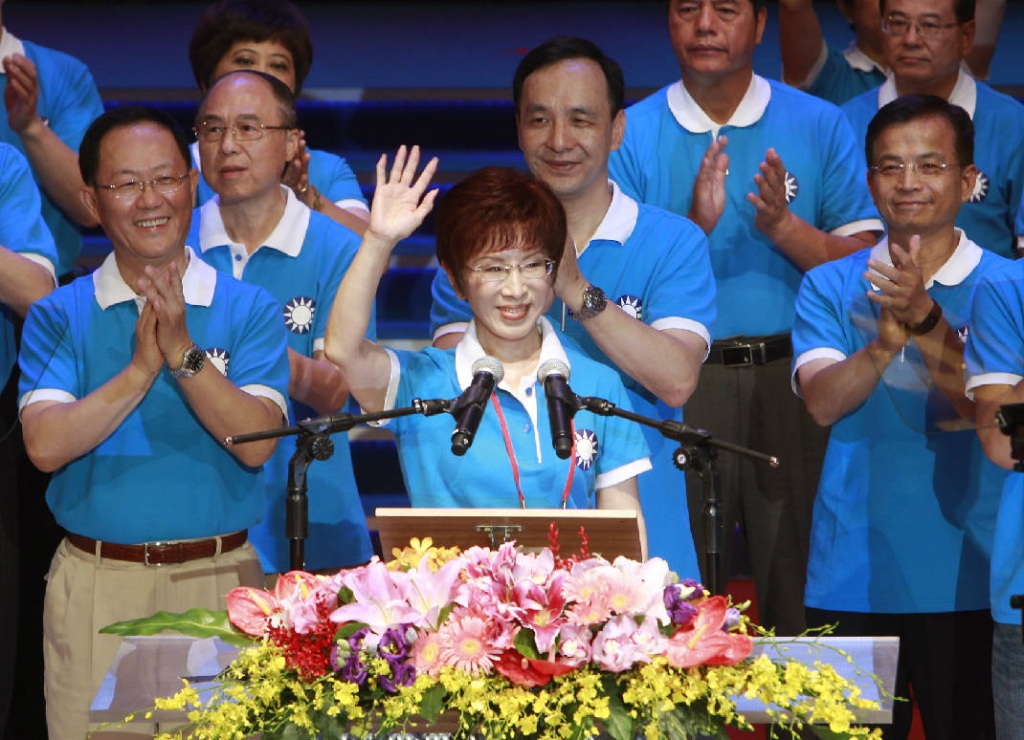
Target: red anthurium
column 529, row 672
column 704, row 642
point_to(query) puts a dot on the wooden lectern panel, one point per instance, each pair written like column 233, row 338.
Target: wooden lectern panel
column 610, row 532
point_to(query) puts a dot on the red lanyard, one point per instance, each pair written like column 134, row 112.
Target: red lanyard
column 515, row 465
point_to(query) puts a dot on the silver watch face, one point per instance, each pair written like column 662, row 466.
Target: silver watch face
column 193, row 361
column 594, row 300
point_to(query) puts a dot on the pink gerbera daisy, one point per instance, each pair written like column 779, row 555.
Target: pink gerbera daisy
column 465, row 643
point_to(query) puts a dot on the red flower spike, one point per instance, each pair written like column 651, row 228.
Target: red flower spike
column 309, row 655
column 585, row 543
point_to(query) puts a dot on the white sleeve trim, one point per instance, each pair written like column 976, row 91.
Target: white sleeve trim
column 44, row 394
column 392, row 392
column 694, row 327
column 351, row 204
column 855, row 227
column 459, row 327
column 622, row 473
column 41, row 260
column 976, row 381
column 318, row 344
column 1020, row 244
column 812, row 75
column 819, row 353
column 265, row 391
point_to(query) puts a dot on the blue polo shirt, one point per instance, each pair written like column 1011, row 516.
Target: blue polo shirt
column 905, row 511
column 998, row 154
column 654, row 265
column 328, row 173
column 666, row 137
column 160, row 475
column 301, row 265
column 609, row 450
column 22, row 230
column 838, row 75
column 68, row 98
column 995, row 356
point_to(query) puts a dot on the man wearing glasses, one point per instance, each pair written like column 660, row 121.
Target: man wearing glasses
column 905, row 512
column 259, row 231
column 770, row 174
column 925, row 43
column 126, row 396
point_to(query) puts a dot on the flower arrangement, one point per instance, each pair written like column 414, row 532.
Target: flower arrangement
column 511, row 645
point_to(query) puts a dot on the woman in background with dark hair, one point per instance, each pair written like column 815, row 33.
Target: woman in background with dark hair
column 272, row 36
column 500, row 237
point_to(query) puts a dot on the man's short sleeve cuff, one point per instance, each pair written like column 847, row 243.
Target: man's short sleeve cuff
column 694, row 327
column 856, row 227
column 45, row 394
column 458, row 327
column 351, row 204
column 265, row 391
column 392, row 391
column 43, row 261
column 819, row 353
column 976, row 381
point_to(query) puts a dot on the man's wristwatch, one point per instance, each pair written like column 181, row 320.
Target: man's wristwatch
column 594, row 302
column 191, row 364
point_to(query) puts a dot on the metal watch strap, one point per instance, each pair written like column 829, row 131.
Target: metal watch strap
column 594, row 302
column 192, row 362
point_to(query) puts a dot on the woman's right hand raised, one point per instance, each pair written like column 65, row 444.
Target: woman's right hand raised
column 399, row 204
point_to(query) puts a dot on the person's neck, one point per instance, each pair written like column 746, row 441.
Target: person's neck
column 519, row 358
column 252, row 221
column 718, row 95
column 585, row 213
column 133, row 269
column 936, row 248
column 943, row 87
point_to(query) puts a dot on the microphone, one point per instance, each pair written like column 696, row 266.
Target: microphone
column 469, row 407
column 562, row 404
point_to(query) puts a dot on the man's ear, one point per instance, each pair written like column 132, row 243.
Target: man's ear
column 88, row 197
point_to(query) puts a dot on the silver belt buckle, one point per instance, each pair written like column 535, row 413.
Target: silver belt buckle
column 743, row 355
column 145, row 552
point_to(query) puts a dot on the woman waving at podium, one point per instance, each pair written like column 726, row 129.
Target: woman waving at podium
column 500, row 237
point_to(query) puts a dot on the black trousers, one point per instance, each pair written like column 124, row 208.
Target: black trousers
column 755, row 407
column 945, row 658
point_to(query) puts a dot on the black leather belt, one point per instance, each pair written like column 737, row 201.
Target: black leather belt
column 743, row 351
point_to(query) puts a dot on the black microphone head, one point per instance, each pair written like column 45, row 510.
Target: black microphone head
column 552, row 367
column 491, row 366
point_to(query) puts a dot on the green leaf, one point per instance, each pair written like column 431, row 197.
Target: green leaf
column 619, row 724
column 433, row 703
column 193, row 623
column 526, row 645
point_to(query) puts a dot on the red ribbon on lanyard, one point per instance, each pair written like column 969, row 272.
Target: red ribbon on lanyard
column 515, row 464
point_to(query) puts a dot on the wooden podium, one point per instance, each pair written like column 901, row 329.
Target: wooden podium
column 610, row 532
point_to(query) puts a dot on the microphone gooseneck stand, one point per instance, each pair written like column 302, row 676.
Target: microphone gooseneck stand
column 314, row 443
column 697, row 451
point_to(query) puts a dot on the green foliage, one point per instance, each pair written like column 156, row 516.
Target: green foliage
column 193, row 623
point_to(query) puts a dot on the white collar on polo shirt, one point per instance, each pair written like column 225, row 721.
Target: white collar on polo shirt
column 468, row 351
column 965, row 92
column 954, row 271
column 692, row 117
column 860, row 61
column 198, row 283
column 287, row 236
column 619, row 220
column 10, row 44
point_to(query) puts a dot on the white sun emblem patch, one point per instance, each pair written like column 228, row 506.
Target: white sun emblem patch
column 980, row 188
column 219, row 358
column 632, row 305
column 586, row 448
column 298, row 314
column 792, row 187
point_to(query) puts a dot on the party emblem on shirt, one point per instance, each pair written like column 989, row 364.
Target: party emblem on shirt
column 792, row 187
column 298, row 314
column 586, row 448
column 632, row 305
column 219, row 358
column 980, row 188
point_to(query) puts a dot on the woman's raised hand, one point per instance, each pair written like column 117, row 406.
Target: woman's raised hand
column 399, row 204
